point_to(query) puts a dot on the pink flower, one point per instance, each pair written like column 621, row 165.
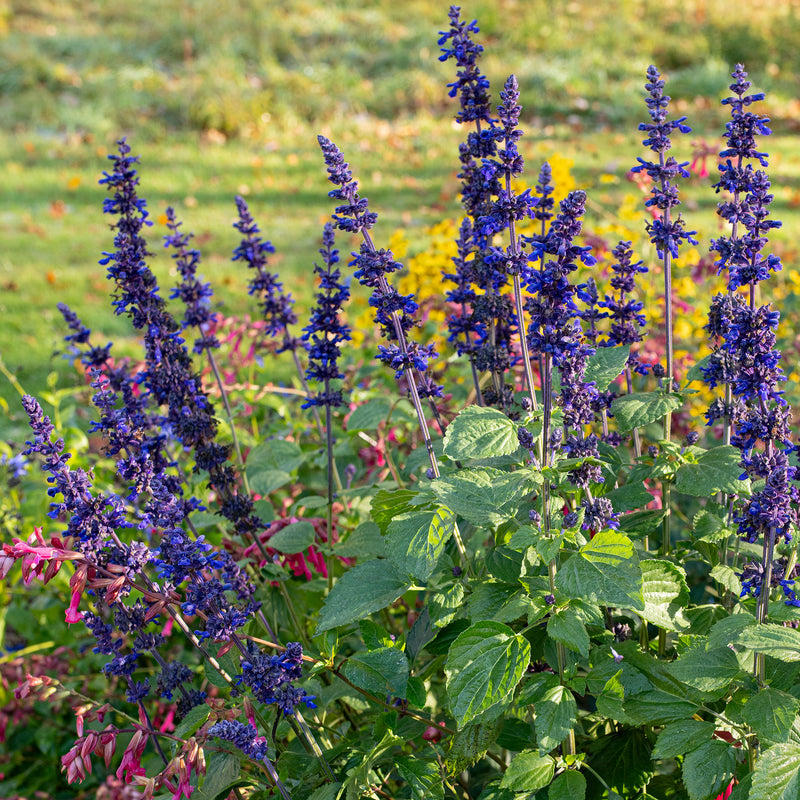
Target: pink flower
column 727, row 793
column 72, row 613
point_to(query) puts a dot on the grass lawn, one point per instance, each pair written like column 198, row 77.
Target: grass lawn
column 227, row 98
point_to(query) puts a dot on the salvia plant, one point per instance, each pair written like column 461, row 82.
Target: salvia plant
column 498, row 572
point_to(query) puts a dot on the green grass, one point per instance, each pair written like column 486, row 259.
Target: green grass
column 222, row 98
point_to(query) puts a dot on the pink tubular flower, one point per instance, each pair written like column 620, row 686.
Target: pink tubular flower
column 727, row 793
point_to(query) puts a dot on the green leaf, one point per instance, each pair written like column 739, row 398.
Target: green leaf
column 223, row 771
column 679, row 738
column 708, row 671
column 641, row 523
column 502, row 602
column 480, row 433
column 483, row 666
column 623, row 759
column 294, row 538
column 485, row 496
column 363, row 589
column 420, row 634
column 629, row 497
column 416, row 540
column 657, row 707
column 564, row 626
column 191, row 721
column 776, row 775
column 556, row 715
column 469, row 744
column 515, row 735
column 708, row 770
column 728, row 629
column 364, row 542
column 726, row 576
column 422, row 777
column 771, row 713
column 329, row 791
column 605, row 364
column 641, row 408
column 569, row 785
column 444, row 605
column 772, row 640
column 665, row 594
column 528, row 771
column 369, row 415
column 604, row 571
column 716, row 470
column 388, row 505
column 270, row 464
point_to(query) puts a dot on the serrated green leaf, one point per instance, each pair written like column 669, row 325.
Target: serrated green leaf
column 569, row 785
column 641, row 523
column 565, row 626
column 191, row 721
column 444, row 605
column 485, row 496
column 726, row 576
column 665, row 594
column 604, row 571
column 556, row 714
column 716, row 470
column 727, row 630
column 416, row 540
column 387, row 505
column 605, row 364
column 771, row 713
column 777, row 775
column 330, row 791
column 363, row 589
column 502, row 602
column 709, row 671
column 470, row 743
column 516, row 734
column 416, row 694
column 708, row 770
column 480, row 433
column 679, row 738
column 369, row 415
column 623, row 758
column 657, row 707
column 364, row 542
column 535, row 688
column 641, row 408
column 422, row 777
column 772, row 640
column 294, row 538
column 528, row 771
column 484, row 665
column 420, row 634
column 270, row 464
column 223, row 771
column 629, row 497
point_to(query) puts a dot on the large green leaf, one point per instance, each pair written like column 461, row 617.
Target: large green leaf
column 556, row 714
column 569, row 785
column 382, row 671
column 483, row 666
column 657, row 707
column 566, row 627
column 270, row 464
column 679, row 738
column 387, row 505
column 223, row 771
column 772, row 640
column 777, row 773
column 709, row 670
column 423, row 777
column 416, row 540
column 605, row 364
column 641, row 408
column 665, row 594
column 485, row 496
column 294, row 538
column 629, row 497
column 771, row 713
column 716, row 470
column 363, row 589
column 480, row 433
column 708, row 770
column 369, row 415
column 528, row 771
column 470, row 743
column 604, row 571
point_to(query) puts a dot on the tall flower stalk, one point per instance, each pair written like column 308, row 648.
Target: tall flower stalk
column 393, row 311
column 667, row 232
column 745, row 361
column 323, row 337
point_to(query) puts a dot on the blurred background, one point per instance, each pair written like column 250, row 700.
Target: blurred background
column 222, row 98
